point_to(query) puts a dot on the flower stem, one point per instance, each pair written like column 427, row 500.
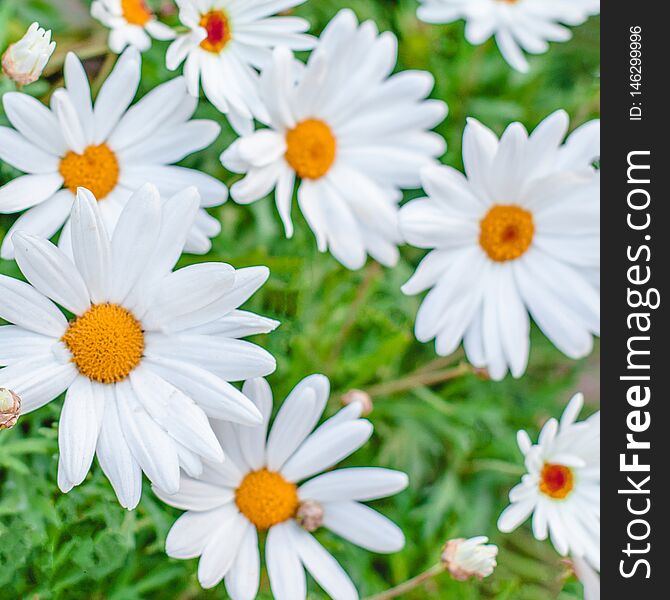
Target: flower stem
column 419, row 379
column 410, row 584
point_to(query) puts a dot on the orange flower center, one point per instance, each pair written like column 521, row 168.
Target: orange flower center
column 556, row 481
column 106, row 343
column 506, row 232
column 96, row 169
column 217, row 26
column 311, row 149
column 266, row 498
column 136, row 12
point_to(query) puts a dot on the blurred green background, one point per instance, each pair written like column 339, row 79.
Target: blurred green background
column 449, row 428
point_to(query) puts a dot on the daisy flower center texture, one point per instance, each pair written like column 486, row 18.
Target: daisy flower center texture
column 266, row 498
column 97, row 170
column 217, row 25
column 311, row 148
column 556, row 481
column 136, row 12
column 506, row 232
column 106, row 343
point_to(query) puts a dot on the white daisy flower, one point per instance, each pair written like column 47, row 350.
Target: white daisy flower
column 257, row 491
column 589, row 577
column 149, row 353
column 226, row 42
column 350, row 132
column 517, row 25
column 520, row 232
column 474, row 557
column 24, row 61
column 107, row 148
column 132, row 23
column 562, row 487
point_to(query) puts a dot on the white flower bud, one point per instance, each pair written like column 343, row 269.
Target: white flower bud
column 359, row 396
column 469, row 558
column 10, row 408
column 310, row 515
column 25, row 60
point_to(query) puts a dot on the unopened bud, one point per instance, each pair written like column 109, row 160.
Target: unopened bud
column 310, row 515
column 10, row 408
column 25, row 60
column 358, row 396
column 469, row 558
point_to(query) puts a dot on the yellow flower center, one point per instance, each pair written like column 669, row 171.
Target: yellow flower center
column 217, row 25
column 311, row 149
column 556, row 481
column 266, row 498
column 506, row 232
column 96, row 170
column 106, row 343
column 136, row 12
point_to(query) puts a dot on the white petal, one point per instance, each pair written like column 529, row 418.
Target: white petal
column 91, row 246
column 27, row 191
column 363, row 526
column 35, row 122
column 243, row 579
column 150, row 445
column 514, row 515
column 293, row 423
column 219, row 399
column 191, row 532
column 115, row 457
column 323, row 567
column 360, row 483
column 190, row 297
column 220, row 551
column 323, row 451
column 197, row 495
column 51, row 272
column 18, row 344
column 23, row 155
column 232, row 360
column 116, row 94
column 287, row 577
column 252, row 439
column 38, row 380
column 24, row 306
column 78, row 428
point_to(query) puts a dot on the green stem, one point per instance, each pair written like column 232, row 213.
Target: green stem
column 410, row 584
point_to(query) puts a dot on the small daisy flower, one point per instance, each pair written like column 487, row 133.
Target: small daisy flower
column 24, row 61
column 149, row 352
column 519, row 233
column 132, row 23
column 562, row 487
column 589, row 577
column 110, row 148
column 226, row 42
column 256, row 492
column 352, row 134
column 517, row 25
column 470, row 558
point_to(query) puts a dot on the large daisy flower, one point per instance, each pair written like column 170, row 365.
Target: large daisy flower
column 256, row 492
column 226, row 42
column 107, row 148
column 351, row 133
column 520, row 232
column 132, row 23
column 149, row 352
column 562, row 487
column 517, row 25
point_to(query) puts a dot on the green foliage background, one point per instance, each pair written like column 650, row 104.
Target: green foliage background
column 455, row 437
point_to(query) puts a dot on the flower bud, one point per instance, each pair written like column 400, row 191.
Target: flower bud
column 358, row 396
column 469, row 558
column 10, row 408
column 24, row 60
column 310, row 515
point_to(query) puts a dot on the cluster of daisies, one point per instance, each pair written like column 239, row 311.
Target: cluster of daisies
column 145, row 354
